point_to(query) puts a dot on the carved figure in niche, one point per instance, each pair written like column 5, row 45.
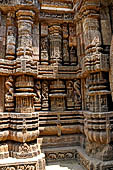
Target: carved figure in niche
column 37, row 97
column 57, row 56
column 69, row 85
column 44, row 44
column 44, row 48
column 44, row 95
column 45, row 90
column 77, row 93
column 9, row 96
column 73, row 57
column 65, row 52
column 70, row 95
column 38, row 92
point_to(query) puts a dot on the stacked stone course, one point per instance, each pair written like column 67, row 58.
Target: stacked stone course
column 56, row 83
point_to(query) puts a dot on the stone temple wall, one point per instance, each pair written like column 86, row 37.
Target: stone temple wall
column 56, row 83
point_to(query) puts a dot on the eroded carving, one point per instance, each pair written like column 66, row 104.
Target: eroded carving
column 9, row 96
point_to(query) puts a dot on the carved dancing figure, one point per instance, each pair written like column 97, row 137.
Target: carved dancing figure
column 45, row 90
column 38, row 93
column 77, row 89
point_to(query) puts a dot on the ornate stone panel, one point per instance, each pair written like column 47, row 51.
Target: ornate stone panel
column 56, row 82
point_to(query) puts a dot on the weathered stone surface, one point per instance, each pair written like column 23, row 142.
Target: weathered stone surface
column 56, row 82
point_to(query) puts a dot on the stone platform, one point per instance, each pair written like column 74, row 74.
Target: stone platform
column 35, row 163
column 64, row 165
column 73, row 158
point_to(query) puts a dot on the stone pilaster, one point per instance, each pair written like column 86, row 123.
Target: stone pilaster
column 24, row 84
column 55, row 45
column 25, row 22
column 11, row 36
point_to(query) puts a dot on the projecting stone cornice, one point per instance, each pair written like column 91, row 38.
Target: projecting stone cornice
column 31, row 67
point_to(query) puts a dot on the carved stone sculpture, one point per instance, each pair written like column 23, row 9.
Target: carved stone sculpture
column 56, row 83
column 9, row 96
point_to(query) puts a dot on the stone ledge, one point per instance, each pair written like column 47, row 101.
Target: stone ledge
column 24, row 164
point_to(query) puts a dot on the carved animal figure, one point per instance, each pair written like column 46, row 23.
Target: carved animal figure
column 69, row 155
column 61, row 156
column 52, row 156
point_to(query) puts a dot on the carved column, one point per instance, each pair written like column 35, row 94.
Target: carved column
column 44, row 44
column 36, row 42
column 65, row 45
column 98, row 92
column 25, row 83
column 24, row 94
column 95, row 59
column 72, row 45
column 111, row 67
column 55, row 45
column 25, row 22
column 25, row 140
column 11, row 36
